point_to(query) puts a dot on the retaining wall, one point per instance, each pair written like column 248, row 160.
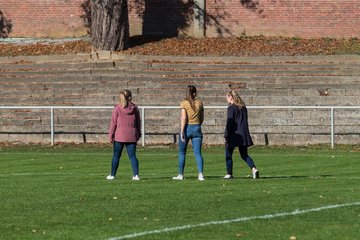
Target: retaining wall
column 156, row 81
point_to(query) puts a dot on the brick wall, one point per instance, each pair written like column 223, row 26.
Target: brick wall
column 160, row 17
column 311, row 18
column 44, row 18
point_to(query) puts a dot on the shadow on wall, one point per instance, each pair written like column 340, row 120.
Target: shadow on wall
column 86, row 6
column 220, row 14
column 166, row 18
column 5, row 26
column 252, row 5
column 169, row 18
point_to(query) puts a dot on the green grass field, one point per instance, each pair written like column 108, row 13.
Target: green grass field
column 61, row 192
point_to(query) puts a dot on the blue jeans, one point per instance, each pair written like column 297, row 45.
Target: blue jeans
column 131, row 150
column 243, row 153
column 192, row 132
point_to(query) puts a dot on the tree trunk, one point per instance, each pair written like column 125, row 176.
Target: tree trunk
column 110, row 25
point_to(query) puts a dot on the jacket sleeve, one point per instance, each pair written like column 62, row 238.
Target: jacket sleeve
column 113, row 123
column 138, row 121
column 230, row 119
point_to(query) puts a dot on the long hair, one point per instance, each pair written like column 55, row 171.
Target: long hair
column 237, row 99
column 128, row 95
column 123, row 100
column 190, row 96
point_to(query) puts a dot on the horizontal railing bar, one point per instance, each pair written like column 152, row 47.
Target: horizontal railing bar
column 176, row 107
column 52, row 108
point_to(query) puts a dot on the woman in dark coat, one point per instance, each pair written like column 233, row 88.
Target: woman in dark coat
column 237, row 134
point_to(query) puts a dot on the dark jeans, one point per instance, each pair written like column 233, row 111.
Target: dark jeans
column 193, row 133
column 243, row 154
column 131, row 150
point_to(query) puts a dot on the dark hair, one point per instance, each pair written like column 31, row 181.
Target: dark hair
column 128, row 95
column 190, row 96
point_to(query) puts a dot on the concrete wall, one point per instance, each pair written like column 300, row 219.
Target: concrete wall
column 161, row 81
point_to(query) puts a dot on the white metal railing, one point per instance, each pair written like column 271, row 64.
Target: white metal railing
column 142, row 109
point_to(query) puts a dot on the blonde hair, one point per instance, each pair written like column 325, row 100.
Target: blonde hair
column 123, row 100
column 128, row 95
column 190, row 96
column 237, row 99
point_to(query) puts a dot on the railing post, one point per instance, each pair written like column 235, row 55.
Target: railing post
column 52, row 125
column 143, row 126
column 332, row 128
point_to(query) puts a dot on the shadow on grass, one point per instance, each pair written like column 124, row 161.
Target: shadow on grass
column 220, row 177
column 267, row 177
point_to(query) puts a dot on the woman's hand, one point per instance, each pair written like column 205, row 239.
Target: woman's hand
column 183, row 121
column 182, row 136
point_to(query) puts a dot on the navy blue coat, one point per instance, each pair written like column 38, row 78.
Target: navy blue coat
column 237, row 127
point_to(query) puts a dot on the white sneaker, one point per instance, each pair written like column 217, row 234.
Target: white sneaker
column 228, row 176
column 201, row 177
column 110, row 177
column 136, row 178
column 179, row 177
column 255, row 173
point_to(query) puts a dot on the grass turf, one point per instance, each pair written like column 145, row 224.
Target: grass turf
column 61, row 193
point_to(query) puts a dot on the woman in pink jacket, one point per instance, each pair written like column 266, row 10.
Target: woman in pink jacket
column 124, row 130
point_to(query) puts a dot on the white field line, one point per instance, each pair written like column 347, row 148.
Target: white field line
column 29, row 174
column 242, row 219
